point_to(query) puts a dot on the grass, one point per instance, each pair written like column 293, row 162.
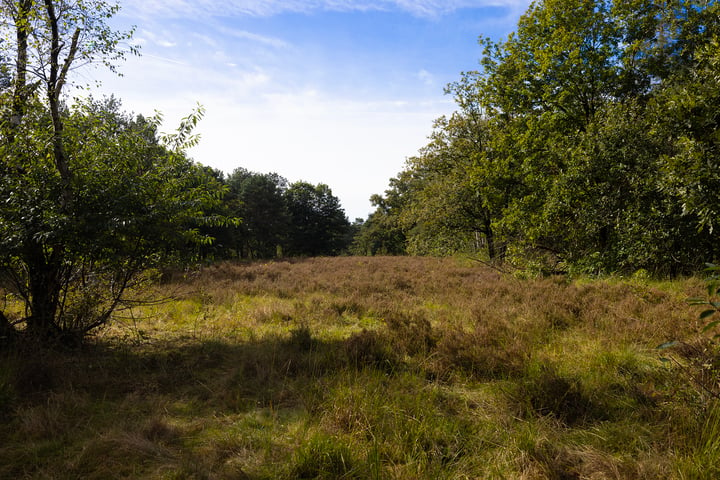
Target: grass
column 386, row 368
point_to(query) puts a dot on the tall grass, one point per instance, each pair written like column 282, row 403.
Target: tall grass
column 397, row 368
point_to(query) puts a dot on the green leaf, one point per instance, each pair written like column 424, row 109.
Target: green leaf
column 707, row 313
column 711, row 325
column 666, row 345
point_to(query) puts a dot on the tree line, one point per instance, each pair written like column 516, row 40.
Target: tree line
column 588, row 141
column 276, row 219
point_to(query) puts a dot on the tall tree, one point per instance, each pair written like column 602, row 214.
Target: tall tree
column 261, row 205
column 381, row 233
column 318, row 225
column 50, row 38
column 135, row 205
column 589, row 140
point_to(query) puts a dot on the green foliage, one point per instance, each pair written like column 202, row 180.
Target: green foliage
column 587, row 143
column 278, row 219
column 94, row 197
column 698, row 360
column 317, row 222
column 381, row 233
column 712, row 302
column 134, row 205
column 701, row 458
column 258, row 200
column 323, row 457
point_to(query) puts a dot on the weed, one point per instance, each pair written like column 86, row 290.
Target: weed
column 702, row 458
column 35, row 377
column 410, row 332
column 491, row 350
column 301, row 339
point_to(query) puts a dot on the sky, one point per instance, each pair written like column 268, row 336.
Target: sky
column 339, row 92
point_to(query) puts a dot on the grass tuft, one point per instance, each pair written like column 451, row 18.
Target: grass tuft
column 324, row 457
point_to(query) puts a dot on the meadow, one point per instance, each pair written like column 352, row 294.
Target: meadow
column 374, row 368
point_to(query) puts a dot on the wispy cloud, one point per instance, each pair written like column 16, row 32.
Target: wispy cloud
column 253, row 37
column 210, row 8
column 164, row 39
column 426, row 77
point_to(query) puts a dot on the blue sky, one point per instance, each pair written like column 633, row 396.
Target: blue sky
column 333, row 91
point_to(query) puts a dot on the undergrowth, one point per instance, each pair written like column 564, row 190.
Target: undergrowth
column 387, row 368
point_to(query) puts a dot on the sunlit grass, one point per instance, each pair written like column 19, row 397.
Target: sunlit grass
column 368, row 368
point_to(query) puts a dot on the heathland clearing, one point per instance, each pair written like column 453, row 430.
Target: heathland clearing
column 353, row 367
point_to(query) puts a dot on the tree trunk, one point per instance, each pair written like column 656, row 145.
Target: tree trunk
column 44, row 289
column 22, row 31
column 55, row 84
column 495, row 252
column 7, row 331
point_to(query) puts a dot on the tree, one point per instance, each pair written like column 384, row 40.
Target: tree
column 318, row 225
column 461, row 183
column 49, row 38
column 261, row 204
column 573, row 93
column 685, row 111
column 52, row 38
column 588, row 141
column 563, row 60
column 92, row 198
column 135, row 205
column 381, row 233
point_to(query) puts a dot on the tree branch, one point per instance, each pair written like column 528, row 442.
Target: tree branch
column 68, row 61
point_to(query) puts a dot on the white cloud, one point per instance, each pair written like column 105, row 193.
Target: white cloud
column 254, row 37
column 194, row 8
column 355, row 145
column 164, row 39
column 206, row 40
column 426, row 77
column 278, row 105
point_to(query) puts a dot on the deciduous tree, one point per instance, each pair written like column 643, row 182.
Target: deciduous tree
column 91, row 197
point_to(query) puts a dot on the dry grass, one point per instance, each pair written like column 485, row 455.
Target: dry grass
column 369, row 368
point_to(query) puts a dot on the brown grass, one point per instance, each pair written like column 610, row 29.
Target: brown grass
column 367, row 368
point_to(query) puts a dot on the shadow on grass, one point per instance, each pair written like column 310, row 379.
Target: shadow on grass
column 123, row 411
column 282, row 406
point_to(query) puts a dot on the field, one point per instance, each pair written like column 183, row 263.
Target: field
column 386, row 368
